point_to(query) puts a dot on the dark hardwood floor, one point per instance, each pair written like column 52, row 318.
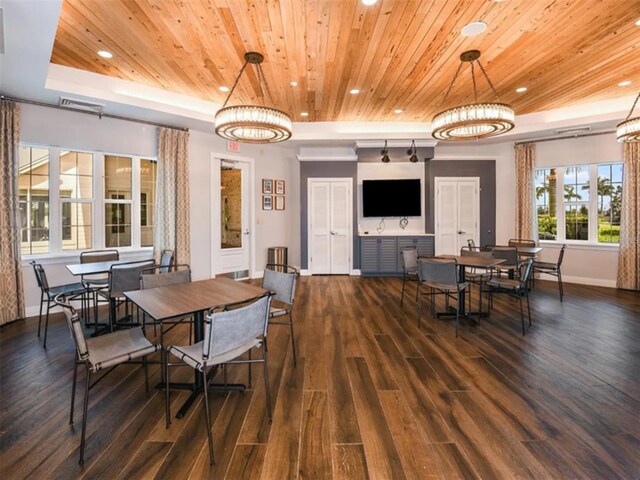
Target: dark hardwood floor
column 372, row 396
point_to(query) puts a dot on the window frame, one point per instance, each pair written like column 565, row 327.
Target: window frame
column 98, row 202
column 592, row 206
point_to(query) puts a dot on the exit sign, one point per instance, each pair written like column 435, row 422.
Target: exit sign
column 233, row 146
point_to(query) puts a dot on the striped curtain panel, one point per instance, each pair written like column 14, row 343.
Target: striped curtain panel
column 171, row 228
column 11, row 287
column 525, row 206
column 629, row 252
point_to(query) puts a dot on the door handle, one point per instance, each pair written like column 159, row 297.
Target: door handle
column 333, row 233
column 246, row 232
column 460, row 232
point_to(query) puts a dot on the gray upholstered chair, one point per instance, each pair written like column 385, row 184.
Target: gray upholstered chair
column 48, row 294
column 551, row 268
column 123, row 277
column 474, row 275
column 282, row 280
column 440, row 276
column 228, row 333
column 516, row 288
column 100, row 353
column 166, row 261
column 409, row 258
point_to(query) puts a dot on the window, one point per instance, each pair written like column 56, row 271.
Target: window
column 76, row 195
column 545, row 179
column 33, row 200
column 589, row 208
column 96, row 200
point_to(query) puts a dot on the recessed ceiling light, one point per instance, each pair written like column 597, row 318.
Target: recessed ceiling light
column 397, row 110
column 354, row 91
column 521, row 89
column 105, row 54
column 626, row 83
column 369, row 2
column 224, row 88
column 304, row 114
column 638, row 22
column 473, row 29
column 293, row 83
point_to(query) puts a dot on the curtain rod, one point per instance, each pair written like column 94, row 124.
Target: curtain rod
column 107, row 115
column 565, row 137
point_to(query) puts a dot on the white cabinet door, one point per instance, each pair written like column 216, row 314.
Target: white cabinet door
column 457, row 205
column 329, row 228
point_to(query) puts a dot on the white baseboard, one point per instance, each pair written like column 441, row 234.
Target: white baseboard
column 305, row 272
column 34, row 310
column 355, row 272
column 596, row 282
column 258, row 274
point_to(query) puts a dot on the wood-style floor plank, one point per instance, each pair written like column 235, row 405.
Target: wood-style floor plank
column 372, row 396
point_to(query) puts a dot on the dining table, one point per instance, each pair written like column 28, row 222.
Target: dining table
column 529, row 251
column 193, row 298
column 464, row 262
column 93, row 268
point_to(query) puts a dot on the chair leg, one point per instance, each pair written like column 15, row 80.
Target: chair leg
column 417, row 290
column 560, row 286
column 73, row 390
column 528, row 309
column 521, row 315
column 404, row 279
column 165, row 364
column 40, row 315
column 293, row 340
column 84, row 414
column 266, row 381
column 206, row 412
column 46, row 323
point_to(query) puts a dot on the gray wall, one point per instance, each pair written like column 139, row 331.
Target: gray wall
column 486, row 170
column 373, row 155
column 342, row 169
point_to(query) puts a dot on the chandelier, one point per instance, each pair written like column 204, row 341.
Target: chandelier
column 629, row 130
column 475, row 120
column 253, row 123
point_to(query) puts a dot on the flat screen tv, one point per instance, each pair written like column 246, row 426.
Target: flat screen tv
column 391, row 198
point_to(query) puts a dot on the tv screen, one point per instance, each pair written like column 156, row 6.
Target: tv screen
column 391, row 198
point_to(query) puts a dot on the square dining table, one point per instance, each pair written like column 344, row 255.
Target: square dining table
column 193, row 298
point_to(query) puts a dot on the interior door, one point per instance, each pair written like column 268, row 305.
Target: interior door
column 329, row 228
column 457, row 204
column 234, row 205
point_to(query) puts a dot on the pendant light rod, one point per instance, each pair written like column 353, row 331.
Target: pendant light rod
column 633, row 107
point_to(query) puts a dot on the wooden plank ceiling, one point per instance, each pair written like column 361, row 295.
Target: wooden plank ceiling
column 401, row 54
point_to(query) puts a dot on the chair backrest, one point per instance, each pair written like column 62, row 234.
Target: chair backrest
column 41, row 276
column 227, row 330
column 525, row 271
column 95, row 256
column 125, row 277
column 561, row 254
column 150, row 279
column 282, row 284
column 474, row 252
column 471, row 243
column 521, row 242
column 166, row 260
column 409, row 258
column 75, row 328
column 438, row 270
column 510, row 254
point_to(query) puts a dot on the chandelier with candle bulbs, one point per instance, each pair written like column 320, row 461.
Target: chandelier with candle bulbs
column 629, row 130
column 475, row 120
column 253, row 123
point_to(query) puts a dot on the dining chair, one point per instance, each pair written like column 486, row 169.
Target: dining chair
column 282, row 280
column 166, row 261
column 123, row 277
column 510, row 255
column 100, row 353
column 551, row 268
column 93, row 283
column 516, row 288
column 409, row 256
column 441, row 277
column 521, row 242
column 48, row 294
column 229, row 333
column 474, row 276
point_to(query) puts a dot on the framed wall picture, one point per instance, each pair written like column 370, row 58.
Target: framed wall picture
column 267, row 202
column 279, row 200
column 279, row 187
column 267, row 186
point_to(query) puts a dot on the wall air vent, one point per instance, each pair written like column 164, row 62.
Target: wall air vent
column 573, row 130
column 1, row 30
column 81, row 105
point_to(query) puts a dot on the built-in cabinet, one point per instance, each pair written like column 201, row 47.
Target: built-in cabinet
column 381, row 255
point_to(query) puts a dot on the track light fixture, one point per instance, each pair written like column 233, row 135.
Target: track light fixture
column 412, row 151
column 385, row 153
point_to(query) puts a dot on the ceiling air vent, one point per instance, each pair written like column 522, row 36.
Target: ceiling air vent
column 573, row 130
column 1, row 30
column 81, row 105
